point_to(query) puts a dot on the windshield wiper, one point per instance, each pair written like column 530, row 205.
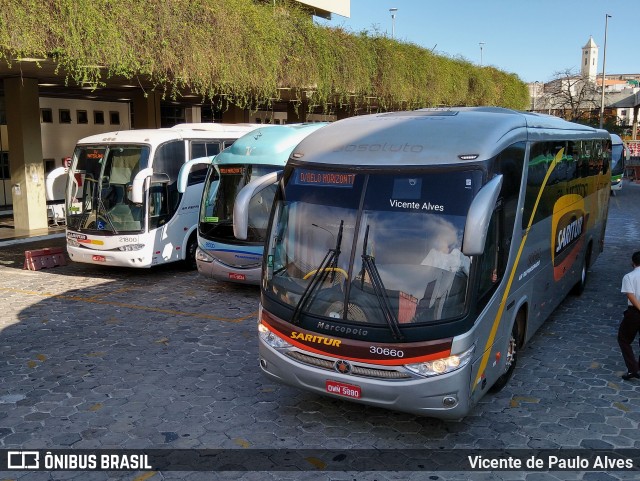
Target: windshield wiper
column 328, row 265
column 369, row 265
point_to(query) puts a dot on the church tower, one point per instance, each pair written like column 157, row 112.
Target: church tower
column 589, row 64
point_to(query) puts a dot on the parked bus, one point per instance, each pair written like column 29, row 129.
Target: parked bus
column 411, row 255
column 122, row 203
column 620, row 156
column 265, row 151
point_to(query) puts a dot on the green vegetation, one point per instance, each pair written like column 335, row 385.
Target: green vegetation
column 244, row 52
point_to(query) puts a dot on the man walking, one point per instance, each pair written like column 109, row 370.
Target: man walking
column 630, row 324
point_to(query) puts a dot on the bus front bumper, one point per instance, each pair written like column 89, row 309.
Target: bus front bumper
column 445, row 396
column 222, row 272
column 110, row 258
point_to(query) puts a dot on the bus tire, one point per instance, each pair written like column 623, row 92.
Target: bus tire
column 190, row 253
column 578, row 288
column 512, row 357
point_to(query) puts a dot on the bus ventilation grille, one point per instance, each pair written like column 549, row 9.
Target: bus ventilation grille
column 356, row 370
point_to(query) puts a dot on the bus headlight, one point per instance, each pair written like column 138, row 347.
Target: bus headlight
column 442, row 366
column 72, row 242
column 131, row 247
column 270, row 338
column 202, row 256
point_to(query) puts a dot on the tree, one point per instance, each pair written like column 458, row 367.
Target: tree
column 571, row 96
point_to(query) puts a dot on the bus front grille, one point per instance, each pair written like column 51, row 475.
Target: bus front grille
column 356, row 370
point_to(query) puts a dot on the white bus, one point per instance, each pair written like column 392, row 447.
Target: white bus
column 123, row 207
column 411, row 255
column 620, row 156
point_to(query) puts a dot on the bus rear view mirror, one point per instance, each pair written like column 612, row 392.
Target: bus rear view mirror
column 185, row 170
column 241, row 205
column 136, row 193
column 475, row 229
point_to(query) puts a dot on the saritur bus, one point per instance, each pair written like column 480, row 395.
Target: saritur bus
column 411, row 255
column 122, row 203
column 254, row 158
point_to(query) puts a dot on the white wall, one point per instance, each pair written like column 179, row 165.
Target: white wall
column 58, row 140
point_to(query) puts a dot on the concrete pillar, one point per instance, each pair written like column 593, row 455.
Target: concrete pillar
column 146, row 110
column 235, row 115
column 193, row 114
column 25, row 154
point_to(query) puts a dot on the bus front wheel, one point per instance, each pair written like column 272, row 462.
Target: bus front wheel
column 511, row 358
column 190, row 253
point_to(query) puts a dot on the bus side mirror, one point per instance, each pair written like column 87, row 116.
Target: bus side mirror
column 241, row 205
column 136, row 194
column 185, row 170
column 482, row 206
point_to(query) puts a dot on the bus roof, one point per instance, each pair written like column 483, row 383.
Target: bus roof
column 180, row 131
column 270, row 146
column 432, row 136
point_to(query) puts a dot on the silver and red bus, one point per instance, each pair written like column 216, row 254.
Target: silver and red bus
column 410, row 256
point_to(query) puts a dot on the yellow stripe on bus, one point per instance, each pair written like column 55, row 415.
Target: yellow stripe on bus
column 507, row 291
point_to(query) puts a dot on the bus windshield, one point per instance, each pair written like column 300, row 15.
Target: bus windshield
column 216, row 211
column 98, row 181
column 617, row 159
column 394, row 241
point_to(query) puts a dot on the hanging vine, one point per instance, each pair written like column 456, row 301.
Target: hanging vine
column 245, row 52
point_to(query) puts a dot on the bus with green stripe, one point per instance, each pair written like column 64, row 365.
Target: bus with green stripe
column 410, row 256
column 620, row 156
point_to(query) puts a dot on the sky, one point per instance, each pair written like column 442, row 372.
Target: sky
column 534, row 39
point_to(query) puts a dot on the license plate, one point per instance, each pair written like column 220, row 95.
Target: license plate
column 347, row 390
column 99, row 258
column 237, row 277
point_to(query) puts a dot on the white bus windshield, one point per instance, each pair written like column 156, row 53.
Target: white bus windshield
column 98, row 181
column 403, row 229
column 216, row 212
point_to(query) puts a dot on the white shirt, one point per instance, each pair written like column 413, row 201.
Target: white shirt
column 631, row 283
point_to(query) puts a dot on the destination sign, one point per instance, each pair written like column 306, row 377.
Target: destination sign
column 231, row 170
column 324, row 179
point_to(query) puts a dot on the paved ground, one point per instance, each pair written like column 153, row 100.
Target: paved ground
column 112, row 358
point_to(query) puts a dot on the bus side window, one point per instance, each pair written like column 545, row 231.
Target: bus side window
column 158, row 205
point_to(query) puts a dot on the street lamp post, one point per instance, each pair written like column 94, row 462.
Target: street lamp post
column 393, row 21
column 481, row 45
column 604, row 62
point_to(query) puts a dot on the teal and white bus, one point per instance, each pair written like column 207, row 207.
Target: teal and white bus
column 254, row 159
column 620, row 156
column 411, row 255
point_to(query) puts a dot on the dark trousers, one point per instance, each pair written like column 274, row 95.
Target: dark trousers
column 627, row 332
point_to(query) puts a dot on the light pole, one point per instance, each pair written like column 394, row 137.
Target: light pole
column 604, row 62
column 393, row 21
column 481, row 45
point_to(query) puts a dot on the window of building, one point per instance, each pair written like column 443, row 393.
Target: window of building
column 46, row 116
column 64, row 116
column 81, row 117
column 4, row 165
column 171, row 115
column 114, row 118
column 98, row 117
column 49, row 165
